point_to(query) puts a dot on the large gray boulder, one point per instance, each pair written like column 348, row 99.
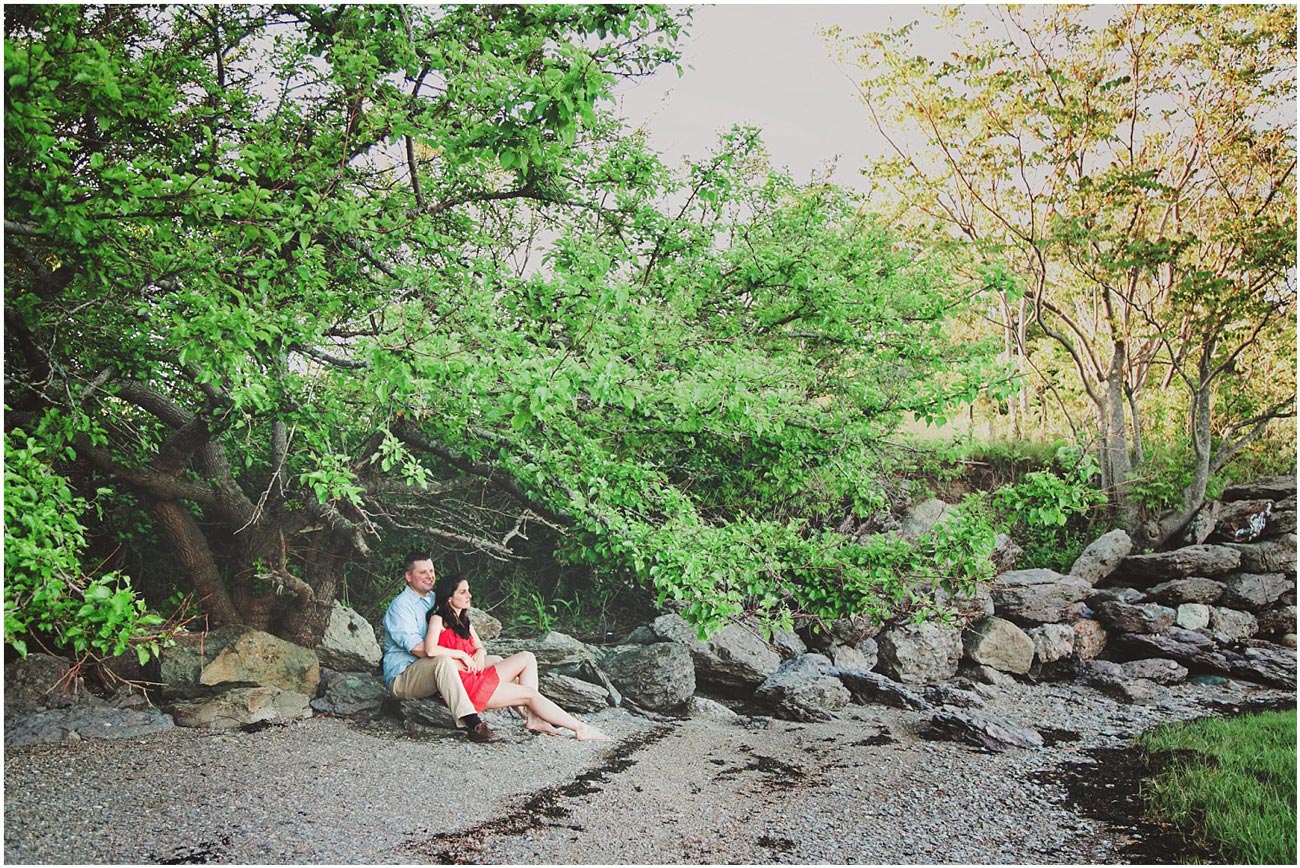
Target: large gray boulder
column 181, row 664
column 804, row 689
column 863, row 656
column 1269, row 487
column 871, row 688
column 258, row 659
column 1102, row 556
column 1089, row 639
column 920, row 653
column 1273, row 666
column 81, row 721
column 1144, row 571
column 1112, row 679
column 1278, row 621
column 1158, row 669
column 553, row 649
column 1283, row 519
column 1114, row 595
column 1195, row 589
column 358, row 695
column 998, row 643
column 1038, row 596
column 659, row 677
column 1192, row 616
column 980, row 730
column 574, row 694
column 1198, row 530
column 487, row 626
column 734, row 659
column 40, row 681
column 349, row 643
column 924, row 516
column 966, row 606
column 1268, row 556
column 1232, row 625
column 1053, row 647
column 1130, row 618
column 241, row 706
column 1254, row 591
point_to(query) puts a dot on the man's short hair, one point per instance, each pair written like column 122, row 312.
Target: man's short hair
column 411, row 558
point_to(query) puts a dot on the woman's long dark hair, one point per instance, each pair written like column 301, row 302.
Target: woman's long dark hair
column 442, row 606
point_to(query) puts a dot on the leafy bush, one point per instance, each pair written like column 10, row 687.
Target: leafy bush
column 1046, row 513
column 48, row 596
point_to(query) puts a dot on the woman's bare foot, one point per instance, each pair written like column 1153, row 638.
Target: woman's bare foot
column 587, row 732
column 539, row 725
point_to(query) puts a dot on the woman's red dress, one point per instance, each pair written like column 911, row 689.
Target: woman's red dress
column 479, row 685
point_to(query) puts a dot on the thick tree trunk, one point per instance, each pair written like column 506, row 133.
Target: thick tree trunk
column 183, row 533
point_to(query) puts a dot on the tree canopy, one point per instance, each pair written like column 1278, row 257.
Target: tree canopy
column 283, row 281
column 1126, row 176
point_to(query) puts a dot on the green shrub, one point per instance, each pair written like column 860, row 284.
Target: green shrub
column 1047, row 512
column 48, row 596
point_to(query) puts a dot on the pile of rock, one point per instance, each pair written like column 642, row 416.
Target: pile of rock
column 1220, row 605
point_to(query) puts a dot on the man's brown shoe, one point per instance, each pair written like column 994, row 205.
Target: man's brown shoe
column 481, row 732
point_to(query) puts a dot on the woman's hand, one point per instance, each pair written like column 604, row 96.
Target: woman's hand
column 472, row 663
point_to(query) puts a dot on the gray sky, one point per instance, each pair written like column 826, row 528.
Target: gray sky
column 766, row 65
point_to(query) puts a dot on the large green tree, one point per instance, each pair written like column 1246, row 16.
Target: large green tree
column 288, row 279
column 1127, row 178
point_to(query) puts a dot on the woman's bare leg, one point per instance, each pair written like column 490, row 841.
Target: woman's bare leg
column 522, row 669
column 509, row 693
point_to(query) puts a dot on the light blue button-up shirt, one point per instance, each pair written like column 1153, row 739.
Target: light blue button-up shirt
column 405, row 624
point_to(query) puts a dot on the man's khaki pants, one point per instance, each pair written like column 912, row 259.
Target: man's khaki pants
column 437, row 676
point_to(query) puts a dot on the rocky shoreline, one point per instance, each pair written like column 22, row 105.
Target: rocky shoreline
column 867, row 786
column 944, row 741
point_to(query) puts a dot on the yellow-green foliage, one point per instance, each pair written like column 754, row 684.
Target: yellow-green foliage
column 1237, row 790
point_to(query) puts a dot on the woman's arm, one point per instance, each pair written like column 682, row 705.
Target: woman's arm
column 480, row 650
column 431, row 648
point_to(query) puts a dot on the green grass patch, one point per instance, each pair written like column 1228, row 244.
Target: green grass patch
column 1230, row 784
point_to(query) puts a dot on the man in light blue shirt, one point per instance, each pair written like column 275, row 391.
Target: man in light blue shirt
column 408, row 672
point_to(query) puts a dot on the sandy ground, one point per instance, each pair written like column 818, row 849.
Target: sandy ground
column 867, row 788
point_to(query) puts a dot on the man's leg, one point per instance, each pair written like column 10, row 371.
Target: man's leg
column 435, row 675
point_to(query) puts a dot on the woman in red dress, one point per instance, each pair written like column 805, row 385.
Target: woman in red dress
column 512, row 681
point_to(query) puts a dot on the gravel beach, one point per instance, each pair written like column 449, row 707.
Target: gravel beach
column 866, row 788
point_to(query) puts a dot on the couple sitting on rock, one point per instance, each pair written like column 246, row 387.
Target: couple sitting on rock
column 431, row 648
